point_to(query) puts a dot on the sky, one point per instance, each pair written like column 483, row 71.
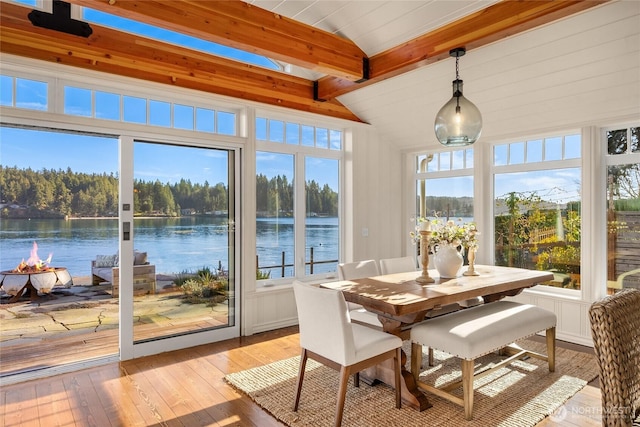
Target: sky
column 555, row 185
column 27, row 148
column 176, row 38
column 89, row 154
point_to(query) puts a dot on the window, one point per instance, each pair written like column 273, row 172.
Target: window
column 623, row 208
column 444, row 188
column 275, row 220
column 294, row 223
column 107, row 106
column 135, row 109
column 537, row 206
column 168, row 36
column 183, row 117
column 31, row 94
column 24, row 93
column 322, row 235
column 159, row 113
column 87, row 102
column 298, row 134
column 445, row 185
column 77, row 101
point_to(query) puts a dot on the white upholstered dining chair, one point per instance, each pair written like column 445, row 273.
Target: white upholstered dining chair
column 328, row 336
column 397, row 265
column 360, row 270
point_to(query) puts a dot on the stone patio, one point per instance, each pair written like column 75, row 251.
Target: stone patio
column 85, row 308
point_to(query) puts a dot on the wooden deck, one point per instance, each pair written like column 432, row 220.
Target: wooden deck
column 185, row 388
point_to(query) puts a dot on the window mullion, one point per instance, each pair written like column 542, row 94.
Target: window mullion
column 300, row 215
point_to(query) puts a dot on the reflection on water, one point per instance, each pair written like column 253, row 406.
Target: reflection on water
column 172, row 244
column 276, row 235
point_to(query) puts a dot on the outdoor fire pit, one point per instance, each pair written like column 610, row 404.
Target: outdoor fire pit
column 43, row 281
column 33, row 275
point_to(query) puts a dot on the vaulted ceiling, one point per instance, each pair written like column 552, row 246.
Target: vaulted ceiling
column 336, row 46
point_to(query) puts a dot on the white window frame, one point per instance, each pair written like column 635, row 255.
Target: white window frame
column 418, row 177
column 612, row 160
column 300, row 153
column 540, row 166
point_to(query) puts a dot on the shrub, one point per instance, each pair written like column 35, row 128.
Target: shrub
column 206, row 286
column 262, row 275
column 564, row 259
column 182, row 277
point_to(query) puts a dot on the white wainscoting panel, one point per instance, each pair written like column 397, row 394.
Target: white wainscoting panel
column 573, row 316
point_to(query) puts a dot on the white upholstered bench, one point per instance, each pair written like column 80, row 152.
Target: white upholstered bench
column 474, row 332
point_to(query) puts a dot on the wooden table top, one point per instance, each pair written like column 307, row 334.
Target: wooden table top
column 400, row 294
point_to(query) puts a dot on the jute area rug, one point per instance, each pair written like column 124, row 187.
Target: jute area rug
column 519, row 394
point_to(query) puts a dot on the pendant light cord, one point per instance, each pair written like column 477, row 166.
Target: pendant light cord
column 457, row 93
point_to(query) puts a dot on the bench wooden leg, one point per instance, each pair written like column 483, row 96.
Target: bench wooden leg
column 467, row 387
column 551, row 348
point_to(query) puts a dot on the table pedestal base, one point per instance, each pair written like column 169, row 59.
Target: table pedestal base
column 384, row 372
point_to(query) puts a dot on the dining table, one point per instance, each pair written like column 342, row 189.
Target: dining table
column 400, row 301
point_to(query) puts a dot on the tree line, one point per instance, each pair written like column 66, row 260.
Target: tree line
column 50, row 193
column 446, row 206
column 275, row 197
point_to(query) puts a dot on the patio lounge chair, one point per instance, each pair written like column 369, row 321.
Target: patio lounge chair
column 105, row 269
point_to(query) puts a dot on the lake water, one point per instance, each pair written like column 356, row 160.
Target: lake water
column 173, row 244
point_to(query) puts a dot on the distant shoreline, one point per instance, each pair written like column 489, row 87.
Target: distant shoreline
column 73, row 218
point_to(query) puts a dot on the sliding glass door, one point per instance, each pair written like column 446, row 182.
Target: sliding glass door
column 183, row 241
column 58, row 218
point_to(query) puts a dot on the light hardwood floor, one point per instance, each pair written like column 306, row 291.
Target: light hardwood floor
column 185, row 388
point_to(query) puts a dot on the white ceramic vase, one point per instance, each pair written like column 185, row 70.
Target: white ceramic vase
column 448, row 261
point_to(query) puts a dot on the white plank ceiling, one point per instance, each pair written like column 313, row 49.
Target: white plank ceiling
column 561, row 74
column 375, row 26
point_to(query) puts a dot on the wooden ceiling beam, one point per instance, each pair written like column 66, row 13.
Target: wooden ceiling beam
column 496, row 22
column 243, row 26
column 115, row 52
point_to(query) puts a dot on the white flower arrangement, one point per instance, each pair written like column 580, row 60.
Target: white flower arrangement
column 451, row 232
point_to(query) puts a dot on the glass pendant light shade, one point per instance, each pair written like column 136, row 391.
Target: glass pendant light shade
column 459, row 121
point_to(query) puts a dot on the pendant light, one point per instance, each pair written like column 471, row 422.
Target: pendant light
column 458, row 122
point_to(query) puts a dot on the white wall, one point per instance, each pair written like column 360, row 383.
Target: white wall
column 377, row 200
